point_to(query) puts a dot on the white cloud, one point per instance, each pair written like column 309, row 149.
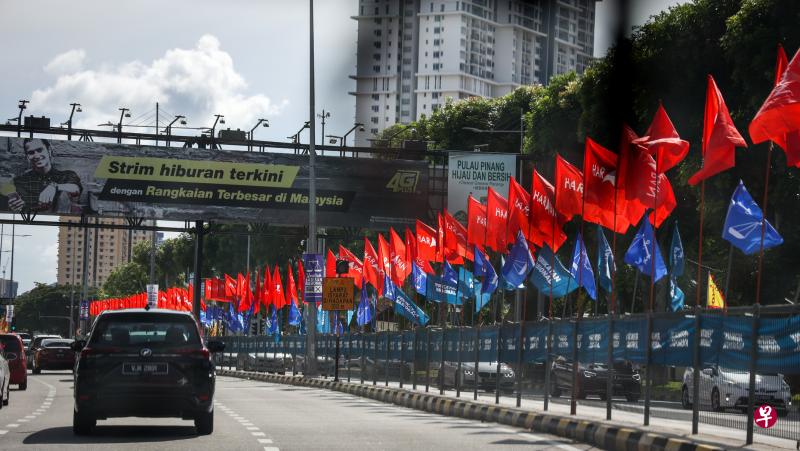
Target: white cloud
column 68, row 62
column 197, row 83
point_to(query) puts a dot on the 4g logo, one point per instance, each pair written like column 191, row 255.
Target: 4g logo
column 403, row 182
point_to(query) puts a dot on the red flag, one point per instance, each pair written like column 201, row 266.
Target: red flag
column 266, row 295
column 330, row 265
column 426, row 241
column 397, row 253
column 720, row 137
column 569, row 189
column 651, row 189
column 546, row 220
column 780, row 65
column 455, row 238
column 246, row 296
column 476, row 222
column 634, row 210
column 663, row 141
column 600, row 166
column 355, row 266
column 372, row 271
column 411, row 245
column 519, row 210
column 230, row 287
column 778, row 119
column 292, row 287
column 278, row 298
column 496, row 221
column 412, row 248
column 384, row 257
column 301, row 278
column 258, row 292
column 240, row 286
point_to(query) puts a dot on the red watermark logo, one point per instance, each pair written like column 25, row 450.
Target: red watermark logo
column 765, row 416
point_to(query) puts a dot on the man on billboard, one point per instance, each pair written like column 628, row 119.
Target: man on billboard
column 42, row 187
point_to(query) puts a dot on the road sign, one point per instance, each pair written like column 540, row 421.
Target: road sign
column 84, row 310
column 338, row 293
column 152, row 295
column 314, row 266
column 9, row 314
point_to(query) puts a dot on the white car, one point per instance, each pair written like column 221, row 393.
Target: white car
column 723, row 388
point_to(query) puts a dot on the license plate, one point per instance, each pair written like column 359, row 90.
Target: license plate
column 135, row 369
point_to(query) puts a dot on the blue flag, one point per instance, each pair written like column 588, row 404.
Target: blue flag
column 350, row 314
column 323, row 323
column 365, row 312
column 389, row 288
column 605, row 261
column 410, row 311
column 676, row 253
column 484, row 268
column 640, row 253
column 548, row 267
column 440, row 290
column 420, row 279
column 743, row 224
column 481, row 298
column 480, row 263
column 339, row 327
column 676, row 295
column 584, row 276
column 274, row 326
column 519, row 263
column 466, row 283
column 294, row 315
column 449, row 274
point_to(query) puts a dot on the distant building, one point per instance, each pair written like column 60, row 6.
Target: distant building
column 413, row 54
column 111, row 250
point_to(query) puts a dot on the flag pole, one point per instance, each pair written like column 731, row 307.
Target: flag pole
column 700, row 243
column 573, row 402
column 728, row 274
column 763, row 224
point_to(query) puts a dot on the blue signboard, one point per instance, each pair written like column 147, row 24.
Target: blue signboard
column 314, row 266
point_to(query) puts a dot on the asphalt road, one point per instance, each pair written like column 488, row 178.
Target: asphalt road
column 252, row 415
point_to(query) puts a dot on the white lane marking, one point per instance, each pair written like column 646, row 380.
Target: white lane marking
column 258, row 434
column 3, row 432
column 246, row 423
column 548, row 442
column 22, row 420
column 271, row 448
column 12, row 425
column 264, row 441
column 30, row 417
column 251, row 428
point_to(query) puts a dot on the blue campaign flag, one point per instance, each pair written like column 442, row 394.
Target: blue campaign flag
column 420, row 279
column 466, row 283
column 449, row 274
column 490, row 279
column 481, row 261
column 294, row 315
column 440, row 290
column 743, row 224
column 410, row 311
column 676, row 253
column 548, row 268
column 275, row 326
column 481, row 298
column 605, row 261
column 389, row 289
column 350, row 314
column 339, row 327
column 676, row 295
column 519, row 262
column 640, row 253
column 365, row 310
column 323, row 322
column 584, row 276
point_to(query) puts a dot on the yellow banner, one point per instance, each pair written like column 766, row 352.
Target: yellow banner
column 715, row 298
column 196, row 171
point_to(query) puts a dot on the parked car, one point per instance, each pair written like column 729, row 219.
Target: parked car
column 5, row 378
column 593, row 379
column 17, row 362
column 36, row 342
column 145, row 363
column 485, row 377
column 54, row 354
column 26, row 338
column 724, row 388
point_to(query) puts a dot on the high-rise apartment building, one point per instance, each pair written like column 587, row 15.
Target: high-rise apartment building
column 414, row 54
column 106, row 250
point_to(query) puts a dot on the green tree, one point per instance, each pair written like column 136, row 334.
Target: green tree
column 48, row 300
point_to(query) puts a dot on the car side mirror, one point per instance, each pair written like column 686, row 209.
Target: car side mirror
column 77, row 345
column 215, row 346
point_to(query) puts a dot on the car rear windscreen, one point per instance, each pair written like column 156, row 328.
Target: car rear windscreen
column 145, row 330
column 10, row 344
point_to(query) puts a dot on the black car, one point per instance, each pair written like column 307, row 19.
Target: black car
column 593, row 379
column 144, row 363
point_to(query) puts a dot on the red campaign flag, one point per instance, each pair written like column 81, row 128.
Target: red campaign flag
column 547, row 226
column 384, row 257
column 663, row 141
column 476, row 222
column 634, row 210
column 301, row 278
column 600, row 166
column 208, row 287
column 455, row 238
column 355, row 266
column 239, row 286
column 427, row 242
column 412, row 249
column 778, row 119
column 258, row 292
column 246, row 299
column 496, row 221
column 372, row 272
column 519, row 210
column 720, row 137
column 440, row 238
column 330, row 265
column 278, row 299
column 569, row 189
column 230, row 287
column 646, row 188
column 290, row 285
column 266, row 288
column 397, row 253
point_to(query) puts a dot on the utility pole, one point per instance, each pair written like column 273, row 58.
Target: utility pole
column 311, row 244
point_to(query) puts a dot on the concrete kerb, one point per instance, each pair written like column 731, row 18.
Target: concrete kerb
column 599, row 434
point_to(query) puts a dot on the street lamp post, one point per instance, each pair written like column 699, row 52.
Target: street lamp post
column 76, row 108
column 250, row 135
column 218, row 118
column 358, row 126
column 168, row 130
column 123, row 113
column 296, row 137
column 311, row 243
column 21, row 107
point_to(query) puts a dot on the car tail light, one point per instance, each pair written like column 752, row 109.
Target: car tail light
column 203, row 397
